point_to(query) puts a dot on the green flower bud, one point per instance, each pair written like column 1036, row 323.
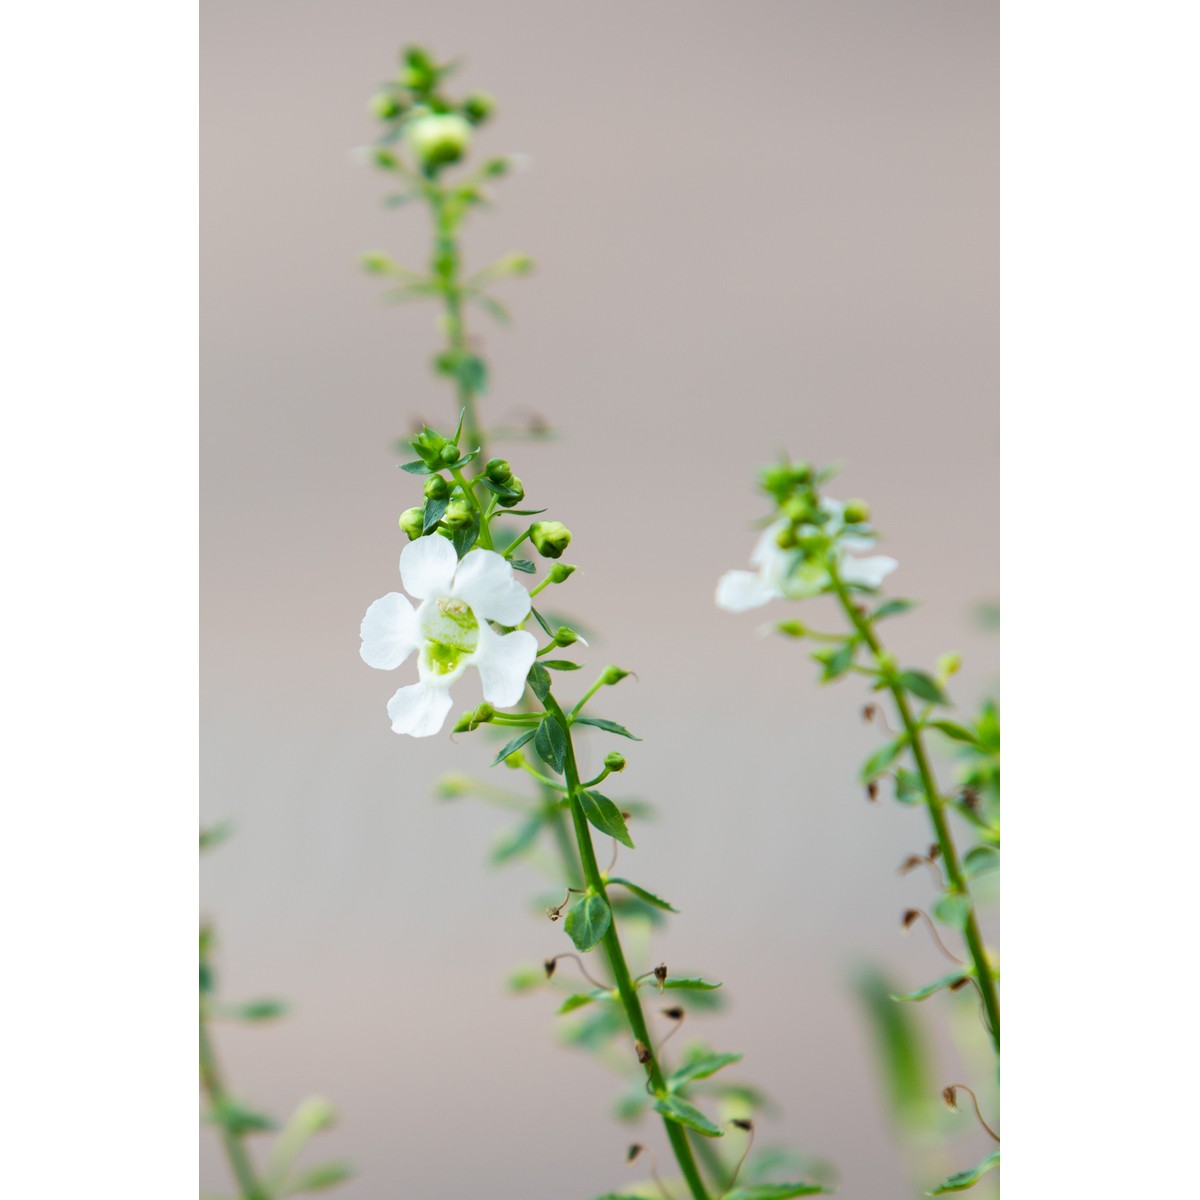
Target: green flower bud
column 776, row 479
column 450, row 454
column 560, row 572
column 478, row 107
column 949, row 664
column 515, row 486
column 420, row 72
column 436, row 488
column 802, row 473
column 458, row 515
column 482, row 715
column 452, row 785
column 412, row 521
column 386, row 106
column 791, row 629
column 614, row 762
column 611, row 675
column 785, row 539
column 798, row 510
column 565, row 637
column 376, row 262
column 498, row 470
column 439, row 139
column 463, row 724
column 550, row 537
column 856, row 512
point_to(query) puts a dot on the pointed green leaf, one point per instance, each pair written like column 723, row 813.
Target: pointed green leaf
column 642, row 894
column 938, row 985
column 215, row 835
column 417, row 467
column 523, row 565
column 605, row 816
column 701, row 1068
column 513, row 746
column 923, row 686
column 434, row 511
column 892, row 608
column 776, row 1191
column 254, row 1010
column 539, row 681
column 560, row 664
column 239, row 1119
column 514, row 842
column 580, row 999
column 692, row 984
column 958, row 732
column 607, row 726
column 537, row 616
column 953, row 909
column 588, row 921
column 980, row 859
column 676, row 1109
column 883, row 758
column 961, row 1180
column 317, row 1179
column 551, row 744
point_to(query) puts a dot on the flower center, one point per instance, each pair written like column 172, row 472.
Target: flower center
column 451, row 634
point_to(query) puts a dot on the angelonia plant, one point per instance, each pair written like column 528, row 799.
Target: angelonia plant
column 237, row 1123
column 470, row 543
column 813, row 545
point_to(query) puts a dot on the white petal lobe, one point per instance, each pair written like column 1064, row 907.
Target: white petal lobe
column 427, row 566
column 419, row 710
column 389, row 632
column 740, row 591
column 868, row 572
column 485, row 580
column 503, row 663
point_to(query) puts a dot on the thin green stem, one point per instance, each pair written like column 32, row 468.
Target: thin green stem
column 934, row 803
column 626, row 988
column 214, row 1088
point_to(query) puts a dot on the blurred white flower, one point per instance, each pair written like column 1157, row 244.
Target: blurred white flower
column 449, row 631
column 783, row 573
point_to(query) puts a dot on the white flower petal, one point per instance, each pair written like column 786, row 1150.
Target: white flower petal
column 485, row 580
column 503, row 663
column 420, row 709
column 389, row 632
column 767, row 551
column 427, row 566
column 867, row 572
column 739, row 591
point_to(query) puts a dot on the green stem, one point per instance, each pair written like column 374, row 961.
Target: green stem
column 616, row 959
column 934, row 803
column 446, row 272
column 214, row 1088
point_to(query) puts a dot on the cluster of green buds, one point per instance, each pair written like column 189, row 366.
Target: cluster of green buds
column 414, row 106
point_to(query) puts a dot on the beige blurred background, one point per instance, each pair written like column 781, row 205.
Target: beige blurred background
column 758, row 225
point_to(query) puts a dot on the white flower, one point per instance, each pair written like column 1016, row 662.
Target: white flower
column 449, row 631
column 784, row 573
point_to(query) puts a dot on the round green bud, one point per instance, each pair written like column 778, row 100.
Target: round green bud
column 776, row 479
column 786, row 539
column 450, row 454
column 436, row 488
column 412, row 521
column 498, row 470
column 439, row 139
column 386, row 106
column 515, row 486
column 385, row 159
column 478, row 107
column 560, row 572
column 614, row 762
column 458, row 515
column 791, row 629
column 798, row 510
column 482, row 715
column 565, row 637
column 802, row 473
column 949, row 664
column 550, row 537
column 611, row 675
column 856, row 512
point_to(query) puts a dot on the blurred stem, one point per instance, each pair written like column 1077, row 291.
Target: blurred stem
column 676, row 1133
column 218, row 1097
column 446, row 271
column 934, row 803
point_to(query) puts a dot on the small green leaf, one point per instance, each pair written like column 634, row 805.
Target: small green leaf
column 537, row 616
column 587, row 922
column 980, row 859
column 953, row 909
column 960, row 1181
column 776, row 1191
column 560, row 664
column 551, row 744
column 923, row 686
column 580, row 999
column 513, row 746
column 463, row 539
column 605, row 816
column 642, row 894
column 883, row 758
column 434, row 511
column 215, row 835
column 254, row 1010
column 938, row 985
column 317, row 1179
column 676, row 1109
column 909, row 789
column 960, row 733
column 417, row 467
column 835, row 663
column 607, row 726
column 691, row 985
column 514, row 842
column 539, row 681
column 892, row 608
column 239, row 1119
column 701, row 1068
column 523, row 565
